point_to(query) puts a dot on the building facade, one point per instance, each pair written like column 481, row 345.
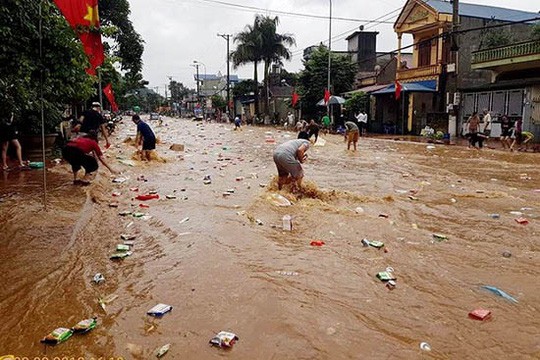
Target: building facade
column 439, row 85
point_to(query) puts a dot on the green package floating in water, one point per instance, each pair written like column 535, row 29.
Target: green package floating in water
column 57, row 336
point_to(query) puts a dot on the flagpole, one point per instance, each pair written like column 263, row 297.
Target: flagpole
column 42, row 106
column 100, row 89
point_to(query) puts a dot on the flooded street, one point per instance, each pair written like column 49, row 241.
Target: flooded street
column 224, row 263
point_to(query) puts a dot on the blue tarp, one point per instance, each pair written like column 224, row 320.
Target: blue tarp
column 415, row 86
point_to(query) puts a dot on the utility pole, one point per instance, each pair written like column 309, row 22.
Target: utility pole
column 329, row 56
column 197, row 77
column 170, row 81
column 196, row 65
column 454, row 49
column 227, row 38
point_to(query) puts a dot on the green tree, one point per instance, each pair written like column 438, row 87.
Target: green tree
column 358, row 102
column 261, row 43
column 313, row 79
column 62, row 66
column 495, row 37
column 248, row 51
column 179, row 91
column 244, row 87
column 274, row 48
column 218, row 102
column 127, row 44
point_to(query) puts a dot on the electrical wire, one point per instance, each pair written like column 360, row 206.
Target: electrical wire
column 281, row 12
column 346, row 33
column 449, row 33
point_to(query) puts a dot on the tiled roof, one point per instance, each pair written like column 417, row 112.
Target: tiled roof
column 482, row 11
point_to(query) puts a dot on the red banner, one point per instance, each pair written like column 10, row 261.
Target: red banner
column 326, row 96
column 295, row 98
column 398, row 89
column 83, row 17
column 109, row 94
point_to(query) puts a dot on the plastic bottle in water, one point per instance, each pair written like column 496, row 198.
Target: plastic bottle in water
column 287, row 223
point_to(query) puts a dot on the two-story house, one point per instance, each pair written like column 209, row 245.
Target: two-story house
column 434, row 82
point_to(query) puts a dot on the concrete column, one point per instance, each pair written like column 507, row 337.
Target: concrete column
column 399, row 51
column 410, row 112
column 440, row 47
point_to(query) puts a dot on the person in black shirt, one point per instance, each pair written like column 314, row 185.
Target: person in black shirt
column 313, row 129
column 9, row 135
column 506, row 132
column 92, row 120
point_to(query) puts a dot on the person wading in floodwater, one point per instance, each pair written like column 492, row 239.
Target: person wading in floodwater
column 289, row 157
column 92, row 120
column 82, row 152
column 145, row 137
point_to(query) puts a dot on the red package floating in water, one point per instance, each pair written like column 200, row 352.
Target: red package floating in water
column 480, row 314
column 147, row 197
column 317, row 243
column 522, row 221
column 134, row 189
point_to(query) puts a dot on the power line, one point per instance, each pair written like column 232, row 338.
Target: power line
column 287, row 13
column 447, row 33
column 346, row 33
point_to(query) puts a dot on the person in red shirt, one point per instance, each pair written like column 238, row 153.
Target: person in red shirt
column 82, row 152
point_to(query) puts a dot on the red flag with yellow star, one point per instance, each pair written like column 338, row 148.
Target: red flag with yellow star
column 83, row 17
column 108, row 91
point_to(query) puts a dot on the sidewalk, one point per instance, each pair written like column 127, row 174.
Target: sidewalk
column 492, row 143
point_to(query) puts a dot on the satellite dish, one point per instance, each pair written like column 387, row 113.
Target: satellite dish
column 361, row 27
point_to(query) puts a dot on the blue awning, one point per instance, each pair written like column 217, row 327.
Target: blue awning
column 415, row 86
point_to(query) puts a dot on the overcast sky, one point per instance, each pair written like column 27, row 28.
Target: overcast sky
column 177, row 32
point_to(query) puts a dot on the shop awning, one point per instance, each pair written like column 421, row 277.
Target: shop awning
column 415, row 86
column 366, row 89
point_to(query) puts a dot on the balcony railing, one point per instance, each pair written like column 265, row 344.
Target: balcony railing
column 419, row 72
column 506, row 52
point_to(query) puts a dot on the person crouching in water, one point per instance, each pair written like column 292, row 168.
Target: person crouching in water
column 82, row 152
column 289, row 157
column 145, row 137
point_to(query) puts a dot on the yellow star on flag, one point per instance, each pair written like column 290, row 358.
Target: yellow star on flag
column 92, row 15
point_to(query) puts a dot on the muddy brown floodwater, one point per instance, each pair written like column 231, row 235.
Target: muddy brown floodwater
column 232, row 267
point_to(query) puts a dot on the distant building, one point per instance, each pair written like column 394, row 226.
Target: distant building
column 215, row 84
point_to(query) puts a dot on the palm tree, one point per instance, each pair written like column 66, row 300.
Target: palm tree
column 248, row 51
column 260, row 42
column 274, row 48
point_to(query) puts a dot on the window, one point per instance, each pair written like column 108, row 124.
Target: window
column 424, row 53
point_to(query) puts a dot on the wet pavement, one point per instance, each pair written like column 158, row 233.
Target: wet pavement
column 230, row 266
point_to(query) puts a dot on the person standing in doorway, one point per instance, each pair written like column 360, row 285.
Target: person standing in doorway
column 92, row 120
column 351, row 134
